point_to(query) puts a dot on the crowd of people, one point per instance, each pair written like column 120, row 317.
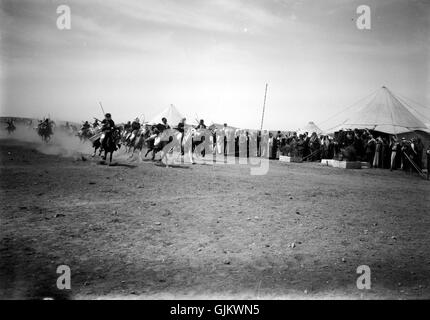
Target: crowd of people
column 378, row 149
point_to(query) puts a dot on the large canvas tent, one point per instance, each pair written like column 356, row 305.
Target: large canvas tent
column 383, row 112
column 172, row 115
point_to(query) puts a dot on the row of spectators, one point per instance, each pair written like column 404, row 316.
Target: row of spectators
column 378, row 149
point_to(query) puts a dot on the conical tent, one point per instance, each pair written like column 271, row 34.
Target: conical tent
column 310, row 128
column 172, row 115
column 385, row 113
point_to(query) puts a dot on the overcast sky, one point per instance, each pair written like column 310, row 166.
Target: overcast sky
column 210, row 58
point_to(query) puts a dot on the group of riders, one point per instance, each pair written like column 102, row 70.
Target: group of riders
column 106, row 136
column 45, row 127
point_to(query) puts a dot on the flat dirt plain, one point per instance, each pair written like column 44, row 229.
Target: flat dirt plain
column 138, row 230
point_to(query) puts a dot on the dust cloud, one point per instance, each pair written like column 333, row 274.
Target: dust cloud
column 62, row 143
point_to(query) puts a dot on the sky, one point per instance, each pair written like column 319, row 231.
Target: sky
column 210, row 58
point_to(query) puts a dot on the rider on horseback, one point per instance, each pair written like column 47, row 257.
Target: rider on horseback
column 201, row 125
column 10, row 126
column 86, row 126
column 95, row 123
column 163, row 126
column 135, row 127
column 107, row 126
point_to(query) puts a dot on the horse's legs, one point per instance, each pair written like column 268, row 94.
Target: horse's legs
column 110, row 158
column 149, row 150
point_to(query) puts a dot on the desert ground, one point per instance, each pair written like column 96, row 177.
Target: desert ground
column 138, row 230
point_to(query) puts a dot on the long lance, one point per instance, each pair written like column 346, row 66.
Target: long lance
column 264, row 108
column 102, row 108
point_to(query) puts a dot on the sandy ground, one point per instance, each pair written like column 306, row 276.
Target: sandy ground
column 141, row 231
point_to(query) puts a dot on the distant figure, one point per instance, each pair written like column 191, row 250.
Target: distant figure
column 85, row 131
column 86, row 126
column 45, row 129
column 10, row 126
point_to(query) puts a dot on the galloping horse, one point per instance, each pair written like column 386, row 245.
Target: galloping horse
column 109, row 145
column 162, row 140
column 84, row 134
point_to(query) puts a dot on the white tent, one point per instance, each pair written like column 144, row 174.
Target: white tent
column 310, row 128
column 385, row 113
column 172, row 115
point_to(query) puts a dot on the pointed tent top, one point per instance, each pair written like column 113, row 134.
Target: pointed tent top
column 384, row 112
column 172, row 115
column 309, row 128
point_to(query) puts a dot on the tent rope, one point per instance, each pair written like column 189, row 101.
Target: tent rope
column 415, row 166
column 309, row 155
column 408, row 105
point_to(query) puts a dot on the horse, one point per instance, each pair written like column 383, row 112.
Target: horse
column 84, row 134
column 138, row 142
column 110, row 144
column 130, row 139
column 162, row 140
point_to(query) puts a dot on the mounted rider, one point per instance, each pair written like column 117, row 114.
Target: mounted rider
column 95, row 123
column 85, row 130
column 10, row 125
column 107, row 127
column 163, row 125
column 85, row 126
column 134, row 129
column 153, row 133
column 127, row 129
column 201, row 125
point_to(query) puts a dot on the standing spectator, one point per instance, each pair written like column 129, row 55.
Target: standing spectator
column 270, row 145
column 370, row 150
column 394, row 146
column 385, row 154
column 378, row 152
column 419, row 149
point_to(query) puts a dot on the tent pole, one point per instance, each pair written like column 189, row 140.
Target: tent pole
column 264, row 107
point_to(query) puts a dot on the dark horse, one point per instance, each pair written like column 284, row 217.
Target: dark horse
column 109, row 145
